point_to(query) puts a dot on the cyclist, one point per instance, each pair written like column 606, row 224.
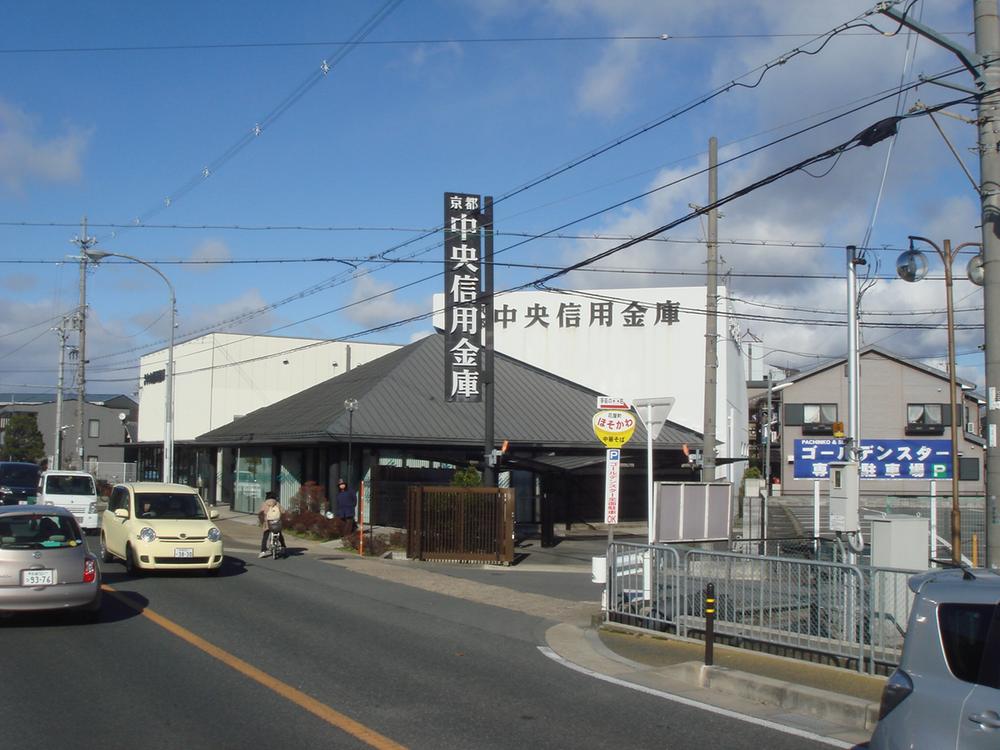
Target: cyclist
column 270, row 518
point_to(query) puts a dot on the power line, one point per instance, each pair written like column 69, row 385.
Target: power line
column 419, row 41
column 857, row 140
column 278, row 110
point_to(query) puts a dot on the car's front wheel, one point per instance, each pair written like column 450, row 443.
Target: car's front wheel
column 131, row 566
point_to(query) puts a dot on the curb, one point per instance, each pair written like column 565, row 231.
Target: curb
column 845, row 720
column 845, row 710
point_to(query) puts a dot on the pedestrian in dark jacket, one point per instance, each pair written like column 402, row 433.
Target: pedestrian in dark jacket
column 346, row 502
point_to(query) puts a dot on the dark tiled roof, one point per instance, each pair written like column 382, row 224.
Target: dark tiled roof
column 401, row 400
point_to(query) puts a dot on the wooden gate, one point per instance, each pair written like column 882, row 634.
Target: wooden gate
column 464, row 524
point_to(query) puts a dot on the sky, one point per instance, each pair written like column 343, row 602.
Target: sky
column 283, row 166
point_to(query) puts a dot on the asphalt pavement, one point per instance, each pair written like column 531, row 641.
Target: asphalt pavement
column 836, row 706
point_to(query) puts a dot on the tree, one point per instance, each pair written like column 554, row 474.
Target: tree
column 22, row 440
column 467, row 477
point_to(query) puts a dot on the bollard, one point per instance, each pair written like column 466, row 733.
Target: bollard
column 709, row 623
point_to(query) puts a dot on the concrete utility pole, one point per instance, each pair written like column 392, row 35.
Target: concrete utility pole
column 57, row 448
column 984, row 65
column 711, row 317
column 84, row 243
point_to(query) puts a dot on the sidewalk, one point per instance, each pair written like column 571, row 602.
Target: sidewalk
column 815, row 700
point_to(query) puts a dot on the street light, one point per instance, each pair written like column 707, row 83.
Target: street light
column 912, row 266
column 168, row 423
column 350, row 404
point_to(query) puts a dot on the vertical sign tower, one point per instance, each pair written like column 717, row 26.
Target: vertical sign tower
column 463, row 308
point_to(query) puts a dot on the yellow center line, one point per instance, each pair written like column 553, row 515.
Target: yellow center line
column 345, row 723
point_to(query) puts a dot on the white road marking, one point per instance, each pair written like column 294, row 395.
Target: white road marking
column 696, row 704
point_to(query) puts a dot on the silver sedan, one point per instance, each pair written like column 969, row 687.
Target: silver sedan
column 44, row 562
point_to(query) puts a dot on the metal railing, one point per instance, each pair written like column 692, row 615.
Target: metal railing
column 112, row 471
column 855, row 614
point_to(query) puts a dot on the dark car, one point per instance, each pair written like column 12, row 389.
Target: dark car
column 18, row 482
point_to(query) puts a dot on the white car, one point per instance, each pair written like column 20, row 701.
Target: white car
column 73, row 490
column 158, row 526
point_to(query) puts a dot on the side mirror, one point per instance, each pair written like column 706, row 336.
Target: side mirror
column 121, row 513
column 213, row 514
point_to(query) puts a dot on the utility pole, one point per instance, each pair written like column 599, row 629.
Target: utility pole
column 711, row 317
column 984, row 65
column 57, row 449
column 84, row 242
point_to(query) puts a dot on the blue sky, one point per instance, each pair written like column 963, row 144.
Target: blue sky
column 107, row 109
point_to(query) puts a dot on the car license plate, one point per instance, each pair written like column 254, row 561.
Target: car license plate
column 38, row 577
column 183, row 552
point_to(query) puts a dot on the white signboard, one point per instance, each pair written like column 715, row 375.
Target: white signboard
column 611, row 478
column 613, row 402
column 692, row 511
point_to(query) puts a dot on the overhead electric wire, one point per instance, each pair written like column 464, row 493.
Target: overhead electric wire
column 665, row 37
column 278, row 110
column 868, row 137
column 337, row 280
column 382, row 255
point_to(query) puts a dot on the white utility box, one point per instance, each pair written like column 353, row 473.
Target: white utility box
column 599, row 569
column 900, row 542
column 844, row 496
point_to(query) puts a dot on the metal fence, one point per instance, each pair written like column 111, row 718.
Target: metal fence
column 112, row 472
column 762, row 525
column 854, row 614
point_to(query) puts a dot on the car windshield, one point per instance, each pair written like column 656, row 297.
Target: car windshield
column 35, row 530
column 19, row 476
column 71, row 485
column 168, row 505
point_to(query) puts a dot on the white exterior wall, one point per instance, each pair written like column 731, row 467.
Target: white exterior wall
column 222, row 375
column 648, row 361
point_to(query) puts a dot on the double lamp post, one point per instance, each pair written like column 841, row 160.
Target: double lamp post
column 912, row 266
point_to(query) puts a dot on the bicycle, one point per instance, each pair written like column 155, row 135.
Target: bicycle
column 274, row 545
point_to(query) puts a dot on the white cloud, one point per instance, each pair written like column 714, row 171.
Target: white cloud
column 239, row 314
column 210, row 250
column 27, row 156
column 377, row 305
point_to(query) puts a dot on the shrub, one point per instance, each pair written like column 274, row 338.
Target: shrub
column 377, row 546
column 467, row 477
column 311, row 497
column 312, row 525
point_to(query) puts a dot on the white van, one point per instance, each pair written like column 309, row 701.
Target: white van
column 73, row 490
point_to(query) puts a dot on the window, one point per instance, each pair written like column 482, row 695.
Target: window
column 926, row 419
column 818, row 419
column 965, row 632
column 94, row 428
column 119, row 499
column 819, row 413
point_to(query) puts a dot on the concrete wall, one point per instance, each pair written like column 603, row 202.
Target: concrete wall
column 652, row 360
column 222, row 375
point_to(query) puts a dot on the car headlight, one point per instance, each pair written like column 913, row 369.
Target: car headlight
column 6, row 491
column 214, row 534
column 147, row 534
column 93, row 508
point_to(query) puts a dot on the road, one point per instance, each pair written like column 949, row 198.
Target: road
column 307, row 653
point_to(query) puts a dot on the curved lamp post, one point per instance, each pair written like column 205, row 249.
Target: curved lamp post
column 350, row 404
column 168, row 423
column 912, row 266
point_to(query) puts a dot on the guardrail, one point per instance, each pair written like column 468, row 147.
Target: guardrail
column 855, row 614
